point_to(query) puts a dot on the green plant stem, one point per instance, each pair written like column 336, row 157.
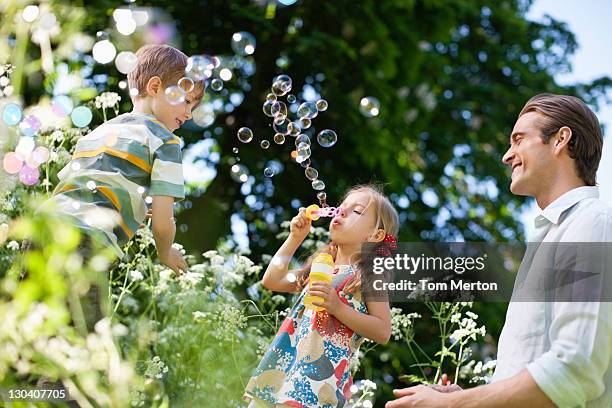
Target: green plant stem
column 458, row 362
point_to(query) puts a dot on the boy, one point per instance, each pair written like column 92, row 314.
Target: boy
column 133, row 160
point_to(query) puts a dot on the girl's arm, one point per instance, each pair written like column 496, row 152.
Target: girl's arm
column 275, row 277
column 376, row 325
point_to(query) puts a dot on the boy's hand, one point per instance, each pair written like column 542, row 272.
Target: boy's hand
column 148, row 216
column 174, row 260
column 300, row 226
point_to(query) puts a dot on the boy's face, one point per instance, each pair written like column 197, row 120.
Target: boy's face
column 172, row 116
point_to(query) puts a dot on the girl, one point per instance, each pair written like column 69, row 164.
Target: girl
column 307, row 364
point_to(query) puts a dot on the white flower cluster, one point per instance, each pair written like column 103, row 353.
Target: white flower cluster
column 107, row 100
column 31, row 347
column 468, row 329
column 478, row 372
column 156, row 368
column 136, row 275
column 13, row 245
column 401, row 322
column 362, row 393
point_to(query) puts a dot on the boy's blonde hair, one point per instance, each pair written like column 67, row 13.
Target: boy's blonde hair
column 387, row 219
column 163, row 61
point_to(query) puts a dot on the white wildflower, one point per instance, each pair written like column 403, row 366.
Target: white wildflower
column 190, row 279
column 209, row 254
column 136, row 275
column 107, row 100
column 13, row 245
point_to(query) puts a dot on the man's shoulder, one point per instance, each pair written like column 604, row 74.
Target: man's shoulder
column 590, row 221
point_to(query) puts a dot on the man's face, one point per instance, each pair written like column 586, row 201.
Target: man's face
column 530, row 159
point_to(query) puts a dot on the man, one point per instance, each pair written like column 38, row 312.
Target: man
column 550, row 353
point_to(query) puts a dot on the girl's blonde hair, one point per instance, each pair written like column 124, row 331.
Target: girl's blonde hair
column 387, row 219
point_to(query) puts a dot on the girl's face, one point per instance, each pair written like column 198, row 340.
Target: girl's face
column 356, row 223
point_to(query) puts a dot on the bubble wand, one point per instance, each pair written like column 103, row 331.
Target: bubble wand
column 314, row 212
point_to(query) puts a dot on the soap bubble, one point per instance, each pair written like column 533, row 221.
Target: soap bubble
column 305, row 163
column 25, row 146
column 186, row 84
column 11, row 115
column 281, row 85
column 327, row 138
column 29, row 175
column 369, row 106
column 279, row 107
column 318, row 185
column 267, row 107
column 245, row 135
column 269, row 172
column 264, row 144
column 203, row 115
column 174, row 95
column 126, row 62
column 279, row 118
column 279, row 138
column 235, row 150
column 30, row 13
column 62, row 105
column 270, row 97
column 305, row 123
column 239, row 173
column 111, row 138
column 12, row 163
column 321, row 105
column 311, row 173
column 216, row 84
column 81, row 116
column 295, row 128
column 291, row 98
column 302, row 139
column 303, row 153
column 91, row 185
column 199, row 67
column 322, row 196
column 40, row 155
column 243, row 43
column 307, row 110
column 104, row 51
column 225, row 74
column 29, row 126
column 282, row 127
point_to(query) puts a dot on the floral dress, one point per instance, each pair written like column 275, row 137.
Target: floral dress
column 307, row 364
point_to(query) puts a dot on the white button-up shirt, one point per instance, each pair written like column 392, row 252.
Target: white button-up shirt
column 565, row 346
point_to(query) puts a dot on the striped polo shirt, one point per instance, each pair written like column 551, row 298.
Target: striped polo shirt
column 113, row 169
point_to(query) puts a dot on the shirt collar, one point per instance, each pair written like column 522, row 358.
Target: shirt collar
column 553, row 212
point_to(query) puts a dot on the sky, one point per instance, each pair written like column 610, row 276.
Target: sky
column 589, row 20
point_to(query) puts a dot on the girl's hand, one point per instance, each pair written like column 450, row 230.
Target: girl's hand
column 300, row 225
column 331, row 301
column 353, row 286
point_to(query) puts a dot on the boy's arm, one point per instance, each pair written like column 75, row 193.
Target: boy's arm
column 164, row 229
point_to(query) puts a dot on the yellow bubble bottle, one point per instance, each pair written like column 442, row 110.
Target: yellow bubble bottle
column 321, row 271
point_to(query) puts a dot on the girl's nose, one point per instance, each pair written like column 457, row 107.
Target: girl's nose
column 341, row 212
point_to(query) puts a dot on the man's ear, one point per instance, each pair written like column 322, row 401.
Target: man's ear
column 378, row 236
column 562, row 140
column 154, row 85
